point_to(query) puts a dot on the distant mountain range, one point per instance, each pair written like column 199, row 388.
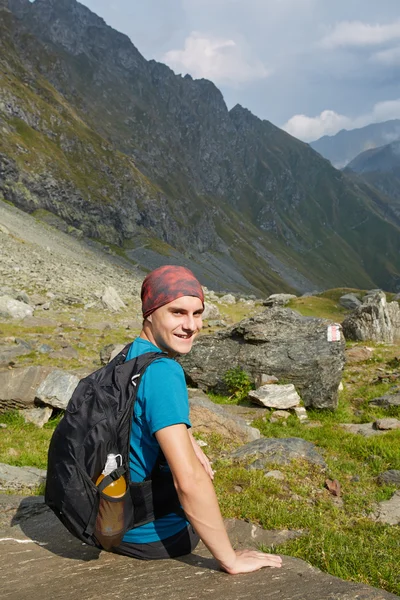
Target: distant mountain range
column 154, row 165
column 341, row 148
column 380, row 167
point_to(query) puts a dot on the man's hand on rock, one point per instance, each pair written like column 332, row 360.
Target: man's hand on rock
column 248, row 561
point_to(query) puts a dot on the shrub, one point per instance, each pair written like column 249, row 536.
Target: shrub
column 238, row 383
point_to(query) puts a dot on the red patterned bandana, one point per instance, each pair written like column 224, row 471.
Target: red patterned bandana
column 165, row 284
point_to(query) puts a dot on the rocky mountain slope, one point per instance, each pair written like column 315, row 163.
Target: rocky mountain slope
column 343, row 147
column 380, row 167
column 126, row 152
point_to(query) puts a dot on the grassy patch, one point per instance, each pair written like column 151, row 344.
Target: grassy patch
column 325, row 308
column 24, row 444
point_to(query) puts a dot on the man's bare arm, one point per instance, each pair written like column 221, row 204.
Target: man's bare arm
column 199, row 501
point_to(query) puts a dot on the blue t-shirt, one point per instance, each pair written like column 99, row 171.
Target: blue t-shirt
column 161, row 401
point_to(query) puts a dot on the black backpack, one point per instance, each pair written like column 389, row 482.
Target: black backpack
column 97, row 422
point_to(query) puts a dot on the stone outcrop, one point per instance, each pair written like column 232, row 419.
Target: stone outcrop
column 279, row 342
column 54, row 565
column 374, row 320
column 207, row 417
column 18, row 387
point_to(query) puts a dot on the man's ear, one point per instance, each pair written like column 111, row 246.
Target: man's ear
column 150, row 318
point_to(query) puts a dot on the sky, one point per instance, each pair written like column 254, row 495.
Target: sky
column 312, row 67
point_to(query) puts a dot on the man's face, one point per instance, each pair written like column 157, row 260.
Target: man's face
column 175, row 325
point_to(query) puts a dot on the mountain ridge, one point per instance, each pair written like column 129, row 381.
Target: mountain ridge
column 166, row 160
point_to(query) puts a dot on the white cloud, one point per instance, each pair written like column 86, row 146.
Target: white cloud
column 389, row 58
column 357, row 33
column 329, row 122
column 311, row 128
column 218, row 59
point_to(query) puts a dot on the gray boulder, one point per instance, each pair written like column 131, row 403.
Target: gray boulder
column 393, row 309
column 18, row 387
column 279, row 299
column 14, row 309
column 280, row 451
column 227, row 299
column 279, row 342
column 56, row 390
column 207, row 417
column 373, row 320
column 111, row 300
column 211, row 311
column 350, row 301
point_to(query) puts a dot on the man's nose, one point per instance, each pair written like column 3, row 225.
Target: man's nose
column 189, row 323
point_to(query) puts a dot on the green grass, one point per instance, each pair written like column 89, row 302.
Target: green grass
column 24, row 444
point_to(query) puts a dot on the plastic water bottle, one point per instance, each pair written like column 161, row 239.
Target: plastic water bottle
column 109, row 528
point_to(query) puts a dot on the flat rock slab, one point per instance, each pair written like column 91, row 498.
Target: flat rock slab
column 280, row 451
column 365, row 429
column 40, row 560
column 386, row 401
column 20, row 478
column 207, row 417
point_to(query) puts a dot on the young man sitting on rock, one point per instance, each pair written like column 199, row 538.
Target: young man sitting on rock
column 173, row 303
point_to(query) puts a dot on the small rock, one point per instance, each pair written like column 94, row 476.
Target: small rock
column 201, row 443
column 389, row 510
column 38, row 416
column 358, row 354
column 388, row 423
column 238, row 489
column 365, row 429
column 391, row 477
column 333, row 487
column 45, row 349
column 279, row 415
column 301, row 413
column 386, row 400
column 264, row 379
column 275, row 396
column 275, row 475
column 228, row 299
column 3, row 426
